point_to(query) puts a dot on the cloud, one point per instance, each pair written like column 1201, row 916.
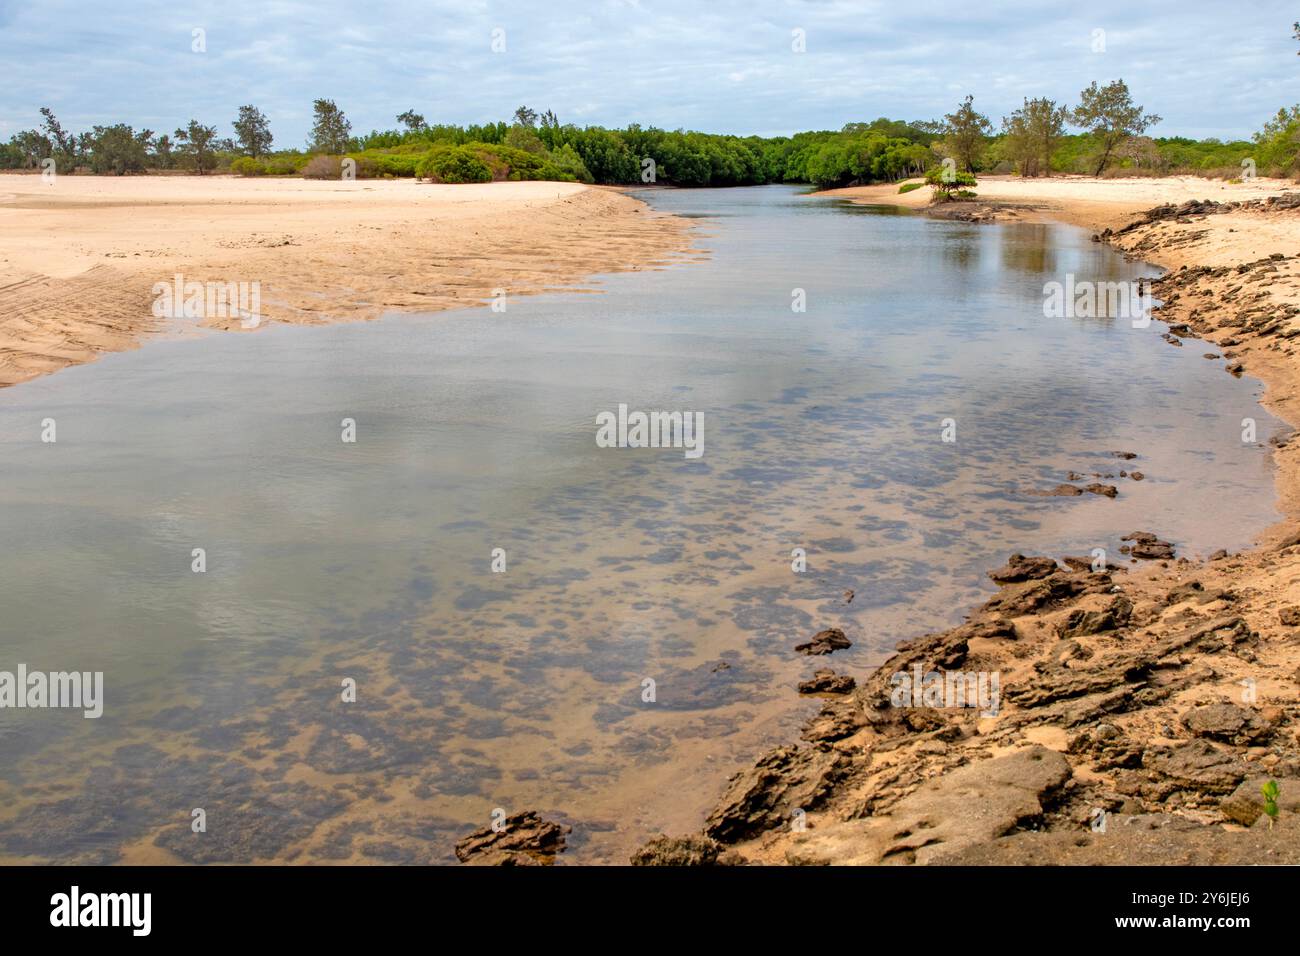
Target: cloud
column 727, row 66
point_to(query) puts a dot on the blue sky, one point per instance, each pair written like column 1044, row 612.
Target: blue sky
column 1209, row 68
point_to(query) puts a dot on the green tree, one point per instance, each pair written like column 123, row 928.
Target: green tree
column 162, row 152
column 526, row 117
column 119, row 149
column 525, row 138
column 1109, row 113
column 1033, row 133
column 63, row 144
column 252, row 132
column 413, row 121
column 195, row 146
column 965, row 134
column 331, row 131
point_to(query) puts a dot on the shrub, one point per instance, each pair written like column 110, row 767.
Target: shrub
column 458, row 164
column 247, row 166
column 908, row 187
column 949, row 184
column 323, row 167
column 280, row 166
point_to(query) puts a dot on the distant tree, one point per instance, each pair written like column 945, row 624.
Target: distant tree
column 526, row 117
column 196, row 145
column 119, row 149
column 1109, row 113
column 63, row 145
column 413, row 121
column 32, row 147
column 252, row 131
column 525, row 138
column 1033, row 133
column 331, row 131
column 1296, row 27
column 162, row 152
column 965, row 133
column 549, row 120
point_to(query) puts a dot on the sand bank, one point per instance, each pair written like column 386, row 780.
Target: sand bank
column 79, row 257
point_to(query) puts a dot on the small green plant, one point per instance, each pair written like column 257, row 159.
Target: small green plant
column 1270, row 792
column 247, row 166
column 908, row 187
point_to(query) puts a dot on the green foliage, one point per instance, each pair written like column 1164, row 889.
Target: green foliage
column 247, row 166
column 949, row 183
column 1277, row 145
column 331, row 131
column 1110, row 114
column 908, row 187
column 252, row 132
column 197, row 149
column 118, row 149
column 965, row 134
column 1270, row 791
column 454, row 164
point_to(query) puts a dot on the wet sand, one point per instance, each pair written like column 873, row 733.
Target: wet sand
column 79, row 257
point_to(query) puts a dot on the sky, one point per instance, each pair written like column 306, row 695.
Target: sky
column 1208, row 68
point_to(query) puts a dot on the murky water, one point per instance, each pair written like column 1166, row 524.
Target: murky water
column 372, row 560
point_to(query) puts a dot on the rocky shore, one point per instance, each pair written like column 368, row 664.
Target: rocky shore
column 1140, row 710
column 1106, row 712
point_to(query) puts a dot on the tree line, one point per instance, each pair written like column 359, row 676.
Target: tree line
column 1034, row 140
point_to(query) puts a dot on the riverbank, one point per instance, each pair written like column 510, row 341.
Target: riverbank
column 79, row 257
column 1139, row 707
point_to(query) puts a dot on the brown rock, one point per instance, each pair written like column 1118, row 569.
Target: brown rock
column 678, row 851
column 825, row 642
column 525, row 839
column 826, row 681
column 1020, row 568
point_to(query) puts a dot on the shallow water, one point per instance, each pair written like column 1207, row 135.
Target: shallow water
column 476, row 690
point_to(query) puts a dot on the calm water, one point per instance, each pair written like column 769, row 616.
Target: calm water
column 371, row 560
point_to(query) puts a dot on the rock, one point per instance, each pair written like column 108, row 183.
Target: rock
column 825, row 642
column 764, row 796
column 678, row 851
column 1136, row 475
column 964, row 808
column 1020, row 568
column 1227, row 722
column 848, row 596
column 1246, row 804
column 1185, row 592
column 525, row 839
column 1126, row 455
column 1097, row 488
column 826, row 681
column 1148, row 547
column 837, row 719
column 1082, row 563
column 1080, row 623
column 1060, row 491
column 1289, row 616
column 1196, row 766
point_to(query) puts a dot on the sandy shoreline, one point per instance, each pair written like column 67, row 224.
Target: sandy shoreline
column 1143, row 705
column 79, row 258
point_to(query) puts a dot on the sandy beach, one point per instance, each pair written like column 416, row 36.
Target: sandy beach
column 79, row 257
column 1143, row 705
